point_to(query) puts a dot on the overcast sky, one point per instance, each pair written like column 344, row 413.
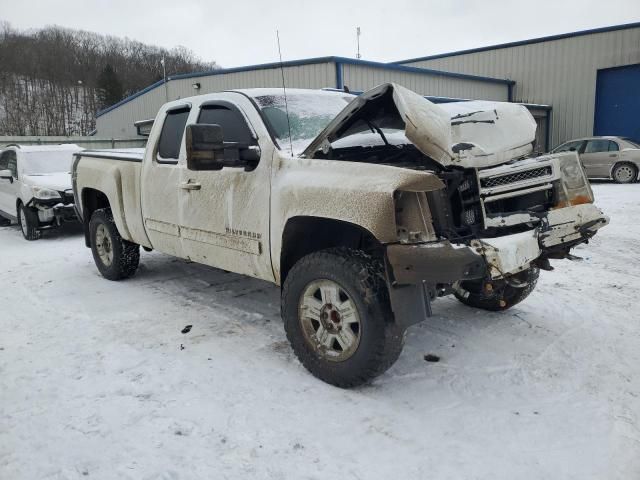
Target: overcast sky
column 240, row 32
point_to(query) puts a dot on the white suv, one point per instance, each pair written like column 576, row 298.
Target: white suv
column 35, row 187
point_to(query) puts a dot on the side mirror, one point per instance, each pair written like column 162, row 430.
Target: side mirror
column 6, row 175
column 207, row 150
column 572, row 149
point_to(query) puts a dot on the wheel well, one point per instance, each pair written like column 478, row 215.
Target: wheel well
column 92, row 200
column 305, row 235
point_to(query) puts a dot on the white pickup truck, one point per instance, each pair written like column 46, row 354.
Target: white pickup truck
column 363, row 209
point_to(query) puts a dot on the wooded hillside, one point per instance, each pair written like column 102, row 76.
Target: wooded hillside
column 54, row 80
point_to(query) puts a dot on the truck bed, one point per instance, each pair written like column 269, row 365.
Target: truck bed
column 115, row 173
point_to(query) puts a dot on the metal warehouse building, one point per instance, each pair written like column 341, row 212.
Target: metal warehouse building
column 575, row 84
column 589, row 79
column 327, row 72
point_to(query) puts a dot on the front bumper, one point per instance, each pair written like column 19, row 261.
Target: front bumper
column 414, row 271
column 51, row 214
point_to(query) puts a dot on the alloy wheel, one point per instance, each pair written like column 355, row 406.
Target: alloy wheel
column 330, row 321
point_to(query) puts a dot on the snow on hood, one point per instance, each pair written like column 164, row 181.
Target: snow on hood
column 60, row 181
column 470, row 134
column 489, row 133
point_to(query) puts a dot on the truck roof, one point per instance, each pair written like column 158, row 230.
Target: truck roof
column 258, row 92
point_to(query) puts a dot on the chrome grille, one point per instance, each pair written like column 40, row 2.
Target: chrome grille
column 516, row 177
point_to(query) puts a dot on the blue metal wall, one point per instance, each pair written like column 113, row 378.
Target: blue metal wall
column 618, row 102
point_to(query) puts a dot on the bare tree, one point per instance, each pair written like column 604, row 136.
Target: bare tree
column 52, row 80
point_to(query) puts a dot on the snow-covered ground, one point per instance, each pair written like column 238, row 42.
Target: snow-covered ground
column 97, row 380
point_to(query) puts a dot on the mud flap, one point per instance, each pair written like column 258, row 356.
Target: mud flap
column 411, row 304
column 414, row 271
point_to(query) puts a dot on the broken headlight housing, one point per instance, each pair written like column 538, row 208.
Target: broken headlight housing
column 42, row 193
column 573, row 188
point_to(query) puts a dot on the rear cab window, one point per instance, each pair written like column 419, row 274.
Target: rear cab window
column 171, row 135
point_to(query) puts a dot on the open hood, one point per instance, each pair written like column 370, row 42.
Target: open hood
column 469, row 134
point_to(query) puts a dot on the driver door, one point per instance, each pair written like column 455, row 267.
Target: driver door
column 225, row 213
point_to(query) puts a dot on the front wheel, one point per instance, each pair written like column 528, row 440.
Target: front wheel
column 28, row 221
column 115, row 257
column 498, row 295
column 337, row 316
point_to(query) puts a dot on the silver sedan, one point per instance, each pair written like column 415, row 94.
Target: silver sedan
column 615, row 158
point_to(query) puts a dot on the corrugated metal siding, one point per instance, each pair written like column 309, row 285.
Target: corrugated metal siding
column 561, row 73
column 119, row 122
column 303, row 76
column 358, row 77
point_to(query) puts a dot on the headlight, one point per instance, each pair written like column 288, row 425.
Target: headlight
column 574, row 186
column 42, row 193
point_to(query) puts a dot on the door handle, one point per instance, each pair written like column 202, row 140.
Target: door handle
column 190, row 186
column 613, row 155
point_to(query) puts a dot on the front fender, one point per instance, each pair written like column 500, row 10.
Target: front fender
column 357, row 193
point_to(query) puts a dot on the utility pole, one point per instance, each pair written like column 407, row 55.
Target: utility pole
column 358, row 40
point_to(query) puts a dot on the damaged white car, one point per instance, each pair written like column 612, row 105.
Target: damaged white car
column 364, row 209
column 35, row 187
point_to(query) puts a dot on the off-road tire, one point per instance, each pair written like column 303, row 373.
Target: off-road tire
column 501, row 297
column 30, row 228
column 626, row 165
column 362, row 278
column 126, row 255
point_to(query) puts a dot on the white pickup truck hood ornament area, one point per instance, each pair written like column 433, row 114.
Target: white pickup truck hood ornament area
column 472, row 134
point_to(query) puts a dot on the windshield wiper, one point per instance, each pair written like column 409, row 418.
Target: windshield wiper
column 373, row 127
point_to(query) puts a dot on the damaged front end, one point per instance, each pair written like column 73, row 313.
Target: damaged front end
column 499, row 217
column 494, row 227
column 53, row 211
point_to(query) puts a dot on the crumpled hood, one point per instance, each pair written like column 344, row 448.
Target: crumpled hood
column 59, row 181
column 487, row 133
column 469, row 134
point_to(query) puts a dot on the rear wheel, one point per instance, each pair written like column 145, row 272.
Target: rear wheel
column 28, row 221
column 499, row 295
column 115, row 257
column 625, row 173
column 338, row 318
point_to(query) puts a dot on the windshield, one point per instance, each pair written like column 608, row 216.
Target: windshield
column 35, row 163
column 309, row 114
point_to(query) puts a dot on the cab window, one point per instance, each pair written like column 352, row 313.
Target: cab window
column 234, row 126
column 171, row 135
